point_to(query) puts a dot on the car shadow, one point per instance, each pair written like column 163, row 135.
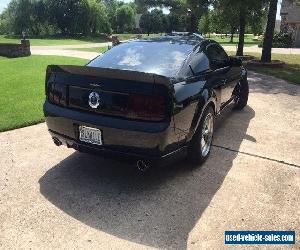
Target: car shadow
column 157, row 209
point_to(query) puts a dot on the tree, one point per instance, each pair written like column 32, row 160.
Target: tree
column 48, row 17
column 111, row 9
column 177, row 22
column 4, row 23
column 145, row 23
column 183, row 19
column 98, row 20
column 242, row 10
column 257, row 21
column 269, row 33
column 125, row 18
column 205, row 24
column 246, row 9
column 154, row 21
column 157, row 20
column 224, row 19
column 19, row 12
column 197, row 9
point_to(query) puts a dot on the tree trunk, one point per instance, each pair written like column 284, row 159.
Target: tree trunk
column 232, row 30
column 242, row 18
column 194, row 23
column 269, row 34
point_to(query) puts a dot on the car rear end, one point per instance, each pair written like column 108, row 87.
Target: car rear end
column 110, row 112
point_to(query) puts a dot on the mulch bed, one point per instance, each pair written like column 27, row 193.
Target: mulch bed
column 245, row 58
column 272, row 64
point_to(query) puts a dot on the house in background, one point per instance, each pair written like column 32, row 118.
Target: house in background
column 290, row 20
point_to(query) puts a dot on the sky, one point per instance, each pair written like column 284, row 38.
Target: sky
column 4, row 3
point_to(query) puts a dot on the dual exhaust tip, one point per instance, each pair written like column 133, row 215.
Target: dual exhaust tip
column 141, row 165
column 56, row 141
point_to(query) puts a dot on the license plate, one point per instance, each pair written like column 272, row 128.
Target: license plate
column 90, row 135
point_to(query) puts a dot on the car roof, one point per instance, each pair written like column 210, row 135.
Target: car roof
column 188, row 39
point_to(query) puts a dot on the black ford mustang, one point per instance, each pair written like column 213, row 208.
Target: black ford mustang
column 147, row 100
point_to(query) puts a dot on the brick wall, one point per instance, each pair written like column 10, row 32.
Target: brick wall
column 15, row 50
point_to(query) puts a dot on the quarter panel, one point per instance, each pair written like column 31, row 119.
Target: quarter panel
column 187, row 98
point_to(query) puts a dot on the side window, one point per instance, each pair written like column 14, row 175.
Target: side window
column 199, row 63
column 217, row 56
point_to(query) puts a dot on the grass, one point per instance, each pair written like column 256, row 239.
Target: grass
column 22, row 89
column 101, row 38
column 290, row 71
column 69, row 41
column 132, row 36
column 226, row 41
column 55, row 41
column 95, row 49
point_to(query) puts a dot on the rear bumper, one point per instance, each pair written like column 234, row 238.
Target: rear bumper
column 121, row 137
column 120, row 154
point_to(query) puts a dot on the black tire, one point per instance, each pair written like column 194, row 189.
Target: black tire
column 195, row 150
column 242, row 93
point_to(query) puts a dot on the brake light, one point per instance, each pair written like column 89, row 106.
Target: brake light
column 56, row 93
column 151, row 108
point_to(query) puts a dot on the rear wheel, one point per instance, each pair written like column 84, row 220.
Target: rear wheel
column 242, row 93
column 201, row 143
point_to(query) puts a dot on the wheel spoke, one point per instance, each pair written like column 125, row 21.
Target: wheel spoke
column 206, row 136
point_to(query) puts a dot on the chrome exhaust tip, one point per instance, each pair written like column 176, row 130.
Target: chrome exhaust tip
column 142, row 165
column 56, row 141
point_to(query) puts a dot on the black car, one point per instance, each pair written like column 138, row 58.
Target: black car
column 145, row 100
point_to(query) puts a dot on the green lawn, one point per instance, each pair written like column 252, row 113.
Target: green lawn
column 96, row 49
column 22, row 89
column 290, row 72
column 226, row 41
column 132, row 36
column 69, row 41
column 55, row 41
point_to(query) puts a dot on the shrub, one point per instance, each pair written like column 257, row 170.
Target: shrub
column 281, row 40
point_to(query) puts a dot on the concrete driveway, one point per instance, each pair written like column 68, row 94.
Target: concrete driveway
column 52, row 197
column 69, row 50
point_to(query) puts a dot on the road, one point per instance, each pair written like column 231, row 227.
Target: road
column 53, row 197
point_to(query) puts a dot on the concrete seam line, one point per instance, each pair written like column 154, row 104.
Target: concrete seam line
column 258, row 156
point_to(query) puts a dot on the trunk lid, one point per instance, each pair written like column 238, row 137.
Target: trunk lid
column 129, row 94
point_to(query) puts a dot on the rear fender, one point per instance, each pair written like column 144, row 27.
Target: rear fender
column 207, row 98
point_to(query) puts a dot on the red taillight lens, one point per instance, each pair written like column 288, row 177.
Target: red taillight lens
column 56, row 93
column 144, row 107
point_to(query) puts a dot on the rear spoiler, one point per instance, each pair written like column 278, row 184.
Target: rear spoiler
column 108, row 73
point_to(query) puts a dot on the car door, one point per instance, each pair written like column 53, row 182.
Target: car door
column 225, row 76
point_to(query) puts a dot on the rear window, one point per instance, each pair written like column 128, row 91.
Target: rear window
column 163, row 58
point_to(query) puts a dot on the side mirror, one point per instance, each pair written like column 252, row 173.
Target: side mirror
column 235, row 61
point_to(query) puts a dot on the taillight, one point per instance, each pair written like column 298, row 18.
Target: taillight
column 151, row 108
column 56, row 93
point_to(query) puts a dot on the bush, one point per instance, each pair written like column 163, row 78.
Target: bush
column 281, row 40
